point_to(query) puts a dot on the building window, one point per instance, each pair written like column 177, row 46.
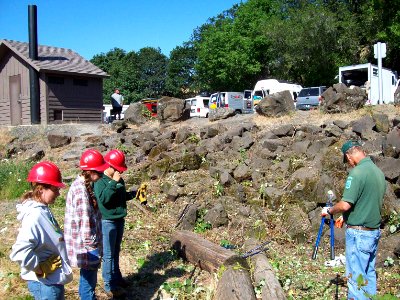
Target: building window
column 58, row 116
column 81, row 82
column 55, row 80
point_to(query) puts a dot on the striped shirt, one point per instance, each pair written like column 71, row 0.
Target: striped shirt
column 82, row 225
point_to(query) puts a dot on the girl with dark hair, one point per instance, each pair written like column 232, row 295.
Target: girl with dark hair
column 82, row 225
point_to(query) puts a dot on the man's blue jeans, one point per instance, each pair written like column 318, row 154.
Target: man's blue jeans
column 361, row 248
column 112, row 238
column 87, row 284
column 41, row 291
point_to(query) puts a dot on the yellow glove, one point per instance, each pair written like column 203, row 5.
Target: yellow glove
column 50, row 265
column 141, row 193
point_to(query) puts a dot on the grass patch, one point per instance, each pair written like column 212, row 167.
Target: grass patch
column 13, row 179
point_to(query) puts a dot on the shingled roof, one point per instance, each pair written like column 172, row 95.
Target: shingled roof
column 54, row 59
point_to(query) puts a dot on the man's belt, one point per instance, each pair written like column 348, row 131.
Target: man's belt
column 358, row 227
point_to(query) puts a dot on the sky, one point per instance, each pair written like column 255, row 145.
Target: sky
column 91, row 27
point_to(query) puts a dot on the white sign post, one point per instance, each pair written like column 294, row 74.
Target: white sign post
column 379, row 53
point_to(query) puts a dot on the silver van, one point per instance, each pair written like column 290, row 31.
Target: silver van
column 310, row 98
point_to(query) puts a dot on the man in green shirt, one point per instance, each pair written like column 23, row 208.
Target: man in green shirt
column 361, row 206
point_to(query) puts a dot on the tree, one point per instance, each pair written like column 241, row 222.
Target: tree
column 231, row 50
column 152, row 71
column 180, row 71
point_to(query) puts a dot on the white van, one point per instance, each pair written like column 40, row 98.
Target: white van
column 199, row 106
column 234, row 100
column 107, row 117
column 270, row 86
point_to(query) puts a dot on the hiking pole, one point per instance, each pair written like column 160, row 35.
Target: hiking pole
column 331, row 196
column 329, row 203
column 256, row 250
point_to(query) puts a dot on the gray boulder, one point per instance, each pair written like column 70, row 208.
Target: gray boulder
column 172, row 110
column 57, row 141
column 136, row 114
column 340, row 98
column 397, row 96
column 276, row 105
column 217, row 216
column 220, row 113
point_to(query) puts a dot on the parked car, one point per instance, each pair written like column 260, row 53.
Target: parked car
column 310, row 98
column 199, row 106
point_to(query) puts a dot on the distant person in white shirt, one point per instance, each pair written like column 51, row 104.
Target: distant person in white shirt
column 117, row 101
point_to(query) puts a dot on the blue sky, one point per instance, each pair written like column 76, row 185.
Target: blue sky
column 92, row 27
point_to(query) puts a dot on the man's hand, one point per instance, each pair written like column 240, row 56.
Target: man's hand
column 325, row 211
column 49, row 266
column 117, row 176
column 339, row 222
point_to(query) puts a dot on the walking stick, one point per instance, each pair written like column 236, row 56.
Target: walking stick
column 329, row 203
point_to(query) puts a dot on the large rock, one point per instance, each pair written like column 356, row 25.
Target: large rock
column 341, row 99
column 276, row 105
column 397, row 96
column 220, row 113
column 136, row 114
column 57, row 141
column 172, row 110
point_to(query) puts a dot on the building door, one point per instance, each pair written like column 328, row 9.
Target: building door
column 15, row 100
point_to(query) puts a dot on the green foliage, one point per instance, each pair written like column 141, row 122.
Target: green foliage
column 137, row 75
column 180, row 71
column 177, row 288
column 13, row 179
column 388, row 262
column 201, row 226
column 394, row 222
column 218, row 189
column 194, row 138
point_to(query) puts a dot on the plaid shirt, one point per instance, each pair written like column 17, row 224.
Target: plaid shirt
column 82, row 225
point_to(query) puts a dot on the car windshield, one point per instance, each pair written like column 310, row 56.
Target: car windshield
column 309, row 92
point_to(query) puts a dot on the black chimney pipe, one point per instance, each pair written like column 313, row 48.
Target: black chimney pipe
column 33, row 74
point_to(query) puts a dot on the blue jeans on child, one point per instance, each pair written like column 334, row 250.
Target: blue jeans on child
column 112, row 238
column 87, row 284
column 361, row 248
column 41, row 291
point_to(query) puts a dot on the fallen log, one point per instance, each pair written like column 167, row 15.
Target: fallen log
column 235, row 284
column 203, row 253
column 264, row 271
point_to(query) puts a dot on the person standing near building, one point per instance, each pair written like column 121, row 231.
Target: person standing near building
column 117, row 102
column 40, row 247
column 111, row 194
column 82, row 225
column 361, row 206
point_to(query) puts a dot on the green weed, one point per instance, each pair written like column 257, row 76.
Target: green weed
column 13, row 179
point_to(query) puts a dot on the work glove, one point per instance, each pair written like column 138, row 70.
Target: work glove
column 325, row 212
column 141, row 194
column 50, row 265
column 339, row 222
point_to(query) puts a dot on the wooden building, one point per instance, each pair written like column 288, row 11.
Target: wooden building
column 70, row 87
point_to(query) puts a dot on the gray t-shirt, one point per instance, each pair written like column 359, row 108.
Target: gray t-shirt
column 116, row 100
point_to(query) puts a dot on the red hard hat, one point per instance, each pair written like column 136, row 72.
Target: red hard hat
column 116, row 159
column 46, row 172
column 92, row 160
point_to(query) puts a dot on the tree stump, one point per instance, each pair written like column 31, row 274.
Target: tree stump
column 235, row 284
column 264, row 271
column 203, row 253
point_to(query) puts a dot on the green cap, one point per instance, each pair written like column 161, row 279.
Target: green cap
column 346, row 147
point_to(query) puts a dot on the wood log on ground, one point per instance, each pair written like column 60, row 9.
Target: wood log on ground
column 235, row 284
column 264, row 271
column 203, row 253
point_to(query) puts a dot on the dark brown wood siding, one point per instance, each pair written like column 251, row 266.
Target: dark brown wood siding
column 74, row 102
column 11, row 65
